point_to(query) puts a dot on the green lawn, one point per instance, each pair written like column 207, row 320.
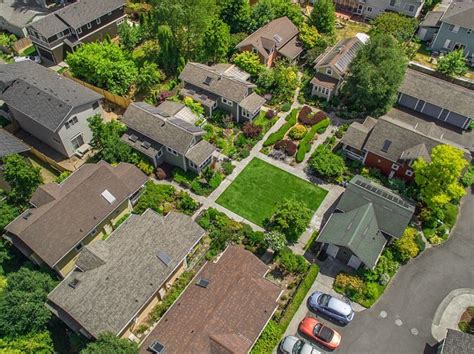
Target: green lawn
column 260, row 187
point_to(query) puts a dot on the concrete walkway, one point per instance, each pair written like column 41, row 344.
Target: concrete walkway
column 450, row 310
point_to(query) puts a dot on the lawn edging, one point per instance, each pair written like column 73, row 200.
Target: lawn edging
column 280, row 133
column 276, row 328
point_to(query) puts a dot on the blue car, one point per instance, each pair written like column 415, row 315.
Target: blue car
column 339, row 310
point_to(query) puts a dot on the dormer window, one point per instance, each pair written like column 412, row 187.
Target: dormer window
column 328, row 71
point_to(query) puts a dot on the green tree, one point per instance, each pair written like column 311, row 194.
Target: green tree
column 169, row 52
column 453, row 63
column 8, row 212
column 108, row 343
column 149, row 76
column 249, row 62
column 323, row 16
column 130, row 36
column 400, row 26
column 265, row 11
column 32, row 343
column 406, row 247
column 22, row 309
column 438, row 180
column 22, row 177
column 106, row 139
column 216, row 41
column 291, row 218
column 374, row 77
column 236, row 13
column 103, row 64
column 309, row 36
column 292, row 263
column 275, row 240
column 325, row 163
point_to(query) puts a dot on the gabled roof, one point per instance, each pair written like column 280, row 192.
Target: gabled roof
column 220, row 83
column 274, row 35
column 357, row 230
column 357, row 133
column 42, row 94
column 227, row 316
column 460, row 13
column 118, row 276
column 432, row 19
column 457, row 342
column 74, row 15
column 65, row 213
column 9, row 144
column 200, row 152
column 439, row 92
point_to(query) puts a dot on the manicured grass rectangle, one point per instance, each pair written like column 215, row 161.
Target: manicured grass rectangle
column 260, row 187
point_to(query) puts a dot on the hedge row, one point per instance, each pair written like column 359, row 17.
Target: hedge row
column 275, row 329
column 280, row 133
column 304, row 145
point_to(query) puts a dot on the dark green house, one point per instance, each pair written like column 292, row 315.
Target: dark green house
column 367, row 217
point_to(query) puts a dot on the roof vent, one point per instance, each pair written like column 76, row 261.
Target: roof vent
column 164, row 257
column 207, row 80
column 27, row 215
column 146, row 145
column 108, row 196
column 157, row 348
column 203, row 283
column 133, row 138
column 74, row 283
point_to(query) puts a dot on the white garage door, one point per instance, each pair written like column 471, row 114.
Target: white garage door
column 354, row 262
column 332, row 250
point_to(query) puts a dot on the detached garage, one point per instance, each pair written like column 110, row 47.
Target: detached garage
column 437, row 98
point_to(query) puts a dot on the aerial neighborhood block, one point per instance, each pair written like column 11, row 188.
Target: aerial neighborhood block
column 67, row 216
column 222, row 86
column 223, row 310
column 167, row 134
column 370, row 9
column 118, row 281
column 49, row 106
column 15, row 15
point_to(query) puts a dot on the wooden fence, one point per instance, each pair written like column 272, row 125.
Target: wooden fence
column 47, row 160
column 109, row 96
column 21, row 44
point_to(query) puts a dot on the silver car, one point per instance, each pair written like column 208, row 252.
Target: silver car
column 294, row 345
column 331, row 306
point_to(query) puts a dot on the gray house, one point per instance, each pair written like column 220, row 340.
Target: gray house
column 163, row 135
column 80, row 22
column 368, row 216
column 15, row 15
column 370, row 9
column 450, row 30
column 49, row 106
column 222, row 86
column 436, row 98
column 117, row 282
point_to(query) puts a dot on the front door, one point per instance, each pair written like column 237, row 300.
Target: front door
column 354, row 262
column 332, row 250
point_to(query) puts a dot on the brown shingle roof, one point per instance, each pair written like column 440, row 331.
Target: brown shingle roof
column 68, row 212
column 324, row 80
column 227, row 316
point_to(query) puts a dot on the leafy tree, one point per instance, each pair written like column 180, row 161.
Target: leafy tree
column 291, row 218
column 318, row 46
column 130, row 36
column 265, row 11
column 400, row 26
column 323, row 16
column 148, row 51
column 108, row 343
column 106, row 138
column 309, row 36
column 216, row 41
column 8, row 212
column 22, row 177
column 406, row 247
column 169, row 52
column 236, row 13
column 292, row 263
column 154, row 196
column 149, row 76
column 375, row 75
column 325, row 163
column 275, row 240
column 453, row 63
column 438, row 180
column 103, row 64
column 249, row 62
column 22, row 309
column 32, row 343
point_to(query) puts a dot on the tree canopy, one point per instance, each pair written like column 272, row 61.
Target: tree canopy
column 249, row 62
column 325, row 163
column 453, row 63
column 438, row 180
column 236, row 13
column 400, row 26
column 374, row 77
column 265, row 11
column 291, row 218
column 323, row 16
column 216, row 41
column 22, row 177
column 32, row 343
column 108, row 343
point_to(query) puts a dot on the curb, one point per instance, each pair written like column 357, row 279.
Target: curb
column 446, row 301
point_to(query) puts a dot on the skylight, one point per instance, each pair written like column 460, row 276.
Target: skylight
column 108, row 196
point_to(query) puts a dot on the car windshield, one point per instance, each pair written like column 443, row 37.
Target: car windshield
column 324, row 299
column 316, row 329
column 297, row 347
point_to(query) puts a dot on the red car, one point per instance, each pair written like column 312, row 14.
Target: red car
column 320, row 333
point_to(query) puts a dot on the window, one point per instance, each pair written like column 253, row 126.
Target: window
column 328, row 71
column 160, row 152
column 453, row 28
column 79, row 247
column 447, row 43
column 67, row 125
column 79, row 30
column 97, row 21
column 192, row 164
column 74, row 120
column 110, row 13
column 60, row 34
column 392, row 2
column 89, row 25
column 122, row 20
column 174, row 152
column 395, row 167
column 409, row 173
column 95, row 105
column 369, row 9
column 71, row 122
column 386, row 145
column 469, row 31
column 227, row 102
column 77, row 142
column 411, row 8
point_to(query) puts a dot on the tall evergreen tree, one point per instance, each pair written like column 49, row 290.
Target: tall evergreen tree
column 236, row 13
column 169, row 52
column 323, row 16
column 216, row 41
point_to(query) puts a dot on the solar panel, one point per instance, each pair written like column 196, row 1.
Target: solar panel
column 157, row 348
column 133, row 138
column 203, row 283
column 146, row 145
column 164, row 257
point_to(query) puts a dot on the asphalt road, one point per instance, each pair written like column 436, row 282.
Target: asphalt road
column 401, row 321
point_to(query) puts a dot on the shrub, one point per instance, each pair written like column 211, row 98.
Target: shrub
column 321, row 130
column 280, row 133
column 285, row 107
column 304, row 145
column 371, row 291
column 325, row 163
column 287, row 146
column 186, row 204
column 251, row 130
column 450, row 214
column 291, row 262
column 304, row 113
column 464, row 327
column 275, row 240
column 312, row 118
column 349, row 284
column 154, row 196
column 62, row 176
column 291, row 218
column 298, row 132
column 160, row 174
column 145, row 167
column 406, row 247
column 468, row 178
column 270, row 114
column 227, row 167
column 183, row 178
column 435, row 240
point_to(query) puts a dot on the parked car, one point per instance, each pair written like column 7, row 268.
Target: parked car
column 294, row 345
column 320, row 333
column 331, row 306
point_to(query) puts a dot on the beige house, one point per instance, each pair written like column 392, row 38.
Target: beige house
column 67, row 216
column 117, row 282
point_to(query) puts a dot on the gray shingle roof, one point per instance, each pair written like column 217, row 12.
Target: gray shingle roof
column 357, row 133
column 20, row 15
column 393, row 213
column 439, row 92
column 42, row 94
column 123, row 272
column 460, row 13
column 252, row 102
column 200, row 152
column 66, row 213
column 457, row 342
column 75, row 15
column 432, row 19
column 274, row 34
column 219, row 84
column 168, row 131
column 9, row 144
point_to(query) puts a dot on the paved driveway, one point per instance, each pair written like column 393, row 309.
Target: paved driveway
column 401, row 321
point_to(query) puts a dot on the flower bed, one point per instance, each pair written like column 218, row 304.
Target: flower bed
column 305, row 145
column 203, row 184
column 280, row 133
